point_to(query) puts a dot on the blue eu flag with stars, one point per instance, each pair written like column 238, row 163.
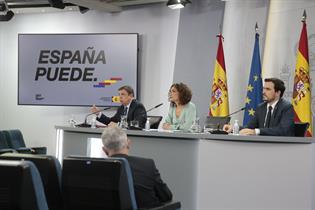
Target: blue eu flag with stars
column 254, row 88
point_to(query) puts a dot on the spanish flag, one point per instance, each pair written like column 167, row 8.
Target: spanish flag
column 302, row 87
column 219, row 104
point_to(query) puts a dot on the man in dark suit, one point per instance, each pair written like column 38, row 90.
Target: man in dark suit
column 150, row 190
column 134, row 110
column 273, row 117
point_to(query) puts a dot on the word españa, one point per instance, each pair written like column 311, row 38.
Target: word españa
column 68, row 73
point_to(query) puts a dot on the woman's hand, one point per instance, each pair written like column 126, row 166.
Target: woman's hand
column 166, row 126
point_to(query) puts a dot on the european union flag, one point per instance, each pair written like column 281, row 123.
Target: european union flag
column 254, row 88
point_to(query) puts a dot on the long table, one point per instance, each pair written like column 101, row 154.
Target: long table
column 218, row 172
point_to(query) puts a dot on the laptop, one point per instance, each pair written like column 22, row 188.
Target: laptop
column 215, row 123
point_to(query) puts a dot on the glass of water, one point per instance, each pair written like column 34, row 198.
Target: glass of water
column 72, row 121
column 93, row 122
column 123, row 121
column 195, row 127
column 134, row 123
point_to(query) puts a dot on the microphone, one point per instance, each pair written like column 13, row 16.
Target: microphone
column 227, row 120
column 139, row 128
column 154, row 107
column 237, row 111
column 85, row 124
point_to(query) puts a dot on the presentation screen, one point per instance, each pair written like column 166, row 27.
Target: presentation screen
column 76, row 69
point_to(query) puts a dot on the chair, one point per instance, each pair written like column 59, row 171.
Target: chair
column 155, row 121
column 96, row 183
column 21, row 186
column 50, row 172
column 4, row 147
column 300, row 128
column 16, row 141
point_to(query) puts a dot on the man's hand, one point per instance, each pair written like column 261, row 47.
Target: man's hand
column 94, row 109
column 112, row 124
column 228, row 128
column 247, row 131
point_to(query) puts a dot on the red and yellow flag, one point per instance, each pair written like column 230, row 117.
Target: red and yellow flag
column 219, row 104
column 302, row 88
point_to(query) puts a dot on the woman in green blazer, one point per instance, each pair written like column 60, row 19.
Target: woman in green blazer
column 182, row 113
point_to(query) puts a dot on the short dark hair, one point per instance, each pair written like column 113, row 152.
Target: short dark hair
column 278, row 84
column 184, row 93
column 128, row 89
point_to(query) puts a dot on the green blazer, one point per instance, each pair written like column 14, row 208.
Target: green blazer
column 186, row 118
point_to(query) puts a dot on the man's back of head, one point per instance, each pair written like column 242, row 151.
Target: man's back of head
column 150, row 190
column 115, row 141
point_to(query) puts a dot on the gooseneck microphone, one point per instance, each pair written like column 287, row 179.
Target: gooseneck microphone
column 154, row 107
column 217, row 130
column 85, row 124
column 237, row 111
column 139, row 128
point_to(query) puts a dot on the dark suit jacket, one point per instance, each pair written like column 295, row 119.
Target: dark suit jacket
column 136, row 112
column 149, row 188
column 282, row 119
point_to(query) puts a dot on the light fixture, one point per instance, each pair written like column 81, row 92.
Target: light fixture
column 5, row 13
column 3, row 7
column 177, row 4
column 57, row 4
column 83, row 9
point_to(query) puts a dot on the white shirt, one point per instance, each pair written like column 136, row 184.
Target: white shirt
column 127, row 108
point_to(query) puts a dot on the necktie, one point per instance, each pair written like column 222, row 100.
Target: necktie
column 268, row 119
column 125, row 110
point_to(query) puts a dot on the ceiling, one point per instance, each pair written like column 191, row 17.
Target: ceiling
column 31, row 6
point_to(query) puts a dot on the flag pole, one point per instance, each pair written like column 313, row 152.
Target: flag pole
column 304, row 16
column 219, row 102
column 254, row 88
column 301, row 99
column 256, row 27
column 219, row 35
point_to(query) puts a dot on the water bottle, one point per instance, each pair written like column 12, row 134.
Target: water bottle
column 93, row 122
column 147, row 125
column 236, row 128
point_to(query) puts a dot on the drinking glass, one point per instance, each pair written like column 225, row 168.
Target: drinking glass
column 123, row 121
column 72, row 121
column 93, row 122
column 195, row 127
column 134, row 123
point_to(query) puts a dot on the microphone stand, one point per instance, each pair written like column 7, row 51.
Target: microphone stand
column 154, row 107
column 237, row 111
column 218, row 131
column 139, row 128
column 85, row 124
